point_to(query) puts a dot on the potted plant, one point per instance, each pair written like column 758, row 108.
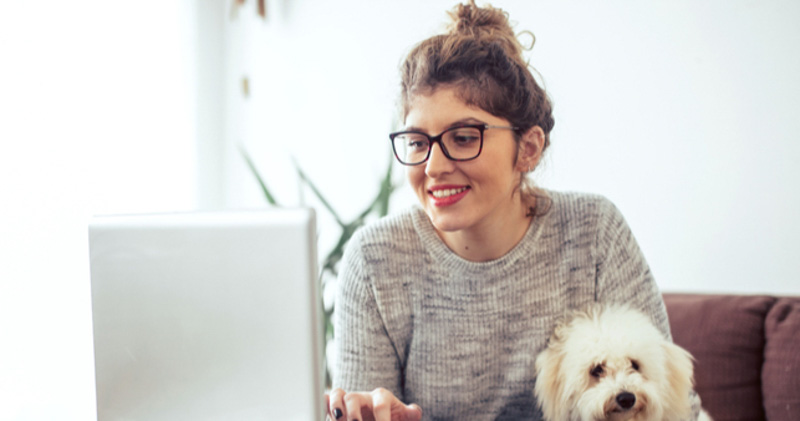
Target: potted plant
column 329, row 267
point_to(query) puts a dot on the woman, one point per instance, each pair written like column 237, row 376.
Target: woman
column 446, row 305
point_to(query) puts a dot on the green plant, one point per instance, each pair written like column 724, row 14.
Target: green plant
column 330, row 265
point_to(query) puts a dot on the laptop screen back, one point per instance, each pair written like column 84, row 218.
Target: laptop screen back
column 207, row 316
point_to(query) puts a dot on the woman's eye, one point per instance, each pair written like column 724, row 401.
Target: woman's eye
column 465, row 140
column 463, row 136
column 597, row 371
column 417, row 143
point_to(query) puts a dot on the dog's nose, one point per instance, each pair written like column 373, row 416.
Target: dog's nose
column 626, row 400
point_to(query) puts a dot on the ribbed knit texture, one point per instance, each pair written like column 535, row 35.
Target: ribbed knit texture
column 460, row 338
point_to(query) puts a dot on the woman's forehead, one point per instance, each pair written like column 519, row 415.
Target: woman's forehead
column 443, row 108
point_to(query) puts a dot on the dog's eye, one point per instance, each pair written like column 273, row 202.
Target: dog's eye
column 635, row 365
column 597, row 371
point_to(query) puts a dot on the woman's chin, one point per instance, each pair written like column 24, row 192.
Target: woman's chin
column 446, row 223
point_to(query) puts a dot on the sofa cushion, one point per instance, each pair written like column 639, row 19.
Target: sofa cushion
column 781, row 373
column 725, row 334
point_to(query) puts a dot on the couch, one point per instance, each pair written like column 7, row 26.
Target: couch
column 747, row 353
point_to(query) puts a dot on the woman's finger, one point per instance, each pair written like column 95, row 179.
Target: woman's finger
column 382, row 401
column 335, row 406
column 354, row 402
column 414, row 412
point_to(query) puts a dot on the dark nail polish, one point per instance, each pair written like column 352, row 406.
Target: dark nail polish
column 337, row 413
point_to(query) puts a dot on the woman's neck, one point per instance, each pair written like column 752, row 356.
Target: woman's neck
column 492, row 239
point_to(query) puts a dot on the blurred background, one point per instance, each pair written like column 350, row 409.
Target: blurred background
column 681, row 112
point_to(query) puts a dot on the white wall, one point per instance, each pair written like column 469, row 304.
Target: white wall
column 681, row 112
column 97, row 115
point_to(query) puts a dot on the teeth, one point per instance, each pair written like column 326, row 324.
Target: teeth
column 447, row 192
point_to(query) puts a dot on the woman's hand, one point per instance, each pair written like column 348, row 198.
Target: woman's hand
column 378, row 405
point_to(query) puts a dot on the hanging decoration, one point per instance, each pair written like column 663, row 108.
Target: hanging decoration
column 261, row 4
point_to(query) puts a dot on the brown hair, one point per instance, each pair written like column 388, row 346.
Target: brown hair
column 482, row 58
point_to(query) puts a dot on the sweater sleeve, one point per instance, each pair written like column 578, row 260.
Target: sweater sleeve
column 365, row 356
column 623, row 275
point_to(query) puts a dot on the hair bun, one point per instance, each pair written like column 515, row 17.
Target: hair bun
column 482, row 22
column 468, row 19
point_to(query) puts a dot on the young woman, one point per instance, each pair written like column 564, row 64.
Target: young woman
column 442, row 309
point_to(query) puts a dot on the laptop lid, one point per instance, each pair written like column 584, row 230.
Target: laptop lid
column 207, row 316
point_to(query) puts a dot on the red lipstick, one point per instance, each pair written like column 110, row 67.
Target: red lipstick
column 446, row 195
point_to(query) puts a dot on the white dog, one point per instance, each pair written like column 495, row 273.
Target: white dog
column 611, row 363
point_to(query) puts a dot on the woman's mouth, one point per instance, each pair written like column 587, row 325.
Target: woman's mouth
column 445, row 196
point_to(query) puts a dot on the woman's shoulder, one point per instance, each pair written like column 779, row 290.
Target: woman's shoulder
column 384, row 244
column 586, row 215
column 394, row 229
column 579, row 205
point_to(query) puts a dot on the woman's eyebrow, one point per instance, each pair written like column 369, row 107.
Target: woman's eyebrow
column 461, row 122
column 468, row 120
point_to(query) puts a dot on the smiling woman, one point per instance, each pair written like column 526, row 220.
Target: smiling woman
column 443, row 307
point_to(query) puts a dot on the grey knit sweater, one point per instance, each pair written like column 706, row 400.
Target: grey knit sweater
column 459, row 338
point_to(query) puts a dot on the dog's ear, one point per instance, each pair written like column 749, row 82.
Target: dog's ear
column 549, row 388
column 679, row 378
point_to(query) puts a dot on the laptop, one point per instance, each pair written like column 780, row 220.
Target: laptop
column 207, row 316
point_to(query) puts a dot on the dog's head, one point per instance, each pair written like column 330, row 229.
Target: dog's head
column 612, row 364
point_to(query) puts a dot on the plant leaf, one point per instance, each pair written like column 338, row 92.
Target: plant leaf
column 317, row 193
column 381, row 202
column 386, row 190
column 267, row 194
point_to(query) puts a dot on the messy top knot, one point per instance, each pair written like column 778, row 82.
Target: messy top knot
column 481, row 57
column 472, row 21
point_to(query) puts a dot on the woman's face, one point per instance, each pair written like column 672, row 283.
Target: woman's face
column 466, row 195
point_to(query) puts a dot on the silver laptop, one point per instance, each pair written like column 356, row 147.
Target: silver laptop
column 207, row 316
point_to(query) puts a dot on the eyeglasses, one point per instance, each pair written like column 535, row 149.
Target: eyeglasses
column 460, row 143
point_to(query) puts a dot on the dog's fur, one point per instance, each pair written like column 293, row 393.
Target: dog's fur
column 611, row 363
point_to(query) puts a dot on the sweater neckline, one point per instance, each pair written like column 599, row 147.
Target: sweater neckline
column 447, row 258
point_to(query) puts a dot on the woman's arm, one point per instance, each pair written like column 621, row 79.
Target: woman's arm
column 366, row 359
column 365, row 356
column 623, row 275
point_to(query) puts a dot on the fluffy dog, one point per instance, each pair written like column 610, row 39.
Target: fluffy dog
column 611, row 363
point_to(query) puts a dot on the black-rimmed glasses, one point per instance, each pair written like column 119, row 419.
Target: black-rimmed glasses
column 460, row 143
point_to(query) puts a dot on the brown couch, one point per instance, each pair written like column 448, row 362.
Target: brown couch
column 747, row 352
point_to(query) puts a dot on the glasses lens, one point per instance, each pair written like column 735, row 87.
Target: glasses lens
column 411, row 148
column 463, row 142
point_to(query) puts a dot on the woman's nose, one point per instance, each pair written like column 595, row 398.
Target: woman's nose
column 438, row 163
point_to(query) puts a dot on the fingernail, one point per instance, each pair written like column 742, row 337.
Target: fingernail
column 337, row 413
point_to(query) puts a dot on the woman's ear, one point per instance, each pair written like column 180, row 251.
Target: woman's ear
column 531, row 146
